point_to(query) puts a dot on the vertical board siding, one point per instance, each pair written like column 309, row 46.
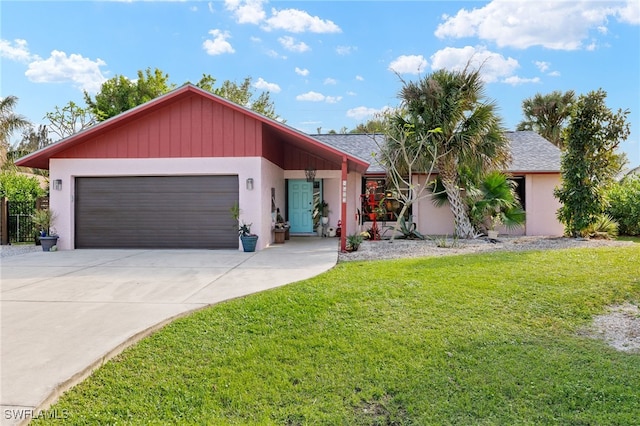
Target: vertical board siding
column 189, row 127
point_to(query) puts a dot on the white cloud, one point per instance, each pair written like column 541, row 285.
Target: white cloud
column 318, row 97
column 210, row 7
column 542, row 66
column 263, row 85
column 273, row 54
column 560, row 25
column 493, row 65
column 302, row 71
column 554, row 74
column 408, row 64
column 311, row 97
column 298, row 21
column 516, row 81
column 630, row 13
column 246, row 11
column 289, row 43
column 345, row 50
column 351, row 93
column 60, row 68
column 16, row 51
column 219, row 44
column 330, row 80
column 362, row 112
column 359, row 78
column 193, row 8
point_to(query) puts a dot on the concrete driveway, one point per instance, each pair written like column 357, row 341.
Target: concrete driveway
column 65, row 313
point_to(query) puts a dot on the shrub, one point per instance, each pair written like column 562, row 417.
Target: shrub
column 603, row 227
column 17, row 187
column 624, row 205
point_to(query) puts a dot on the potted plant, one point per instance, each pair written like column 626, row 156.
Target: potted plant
column 280, row 228
column 248, row 239
column 324, row 208
column 44, row 220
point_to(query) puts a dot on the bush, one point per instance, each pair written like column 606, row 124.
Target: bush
column 17, row 187
column 624, row 205
column 604, row 227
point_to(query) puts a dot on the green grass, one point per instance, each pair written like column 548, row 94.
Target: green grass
column 629, row 238
column 488, row 339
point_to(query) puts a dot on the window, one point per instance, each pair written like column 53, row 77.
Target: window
column 379, row 202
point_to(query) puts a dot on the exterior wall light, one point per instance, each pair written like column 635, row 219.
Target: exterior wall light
column 57, row 184
column 310, row 174
column 250, row 184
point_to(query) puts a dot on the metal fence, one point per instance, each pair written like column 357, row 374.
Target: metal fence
column 18, row 226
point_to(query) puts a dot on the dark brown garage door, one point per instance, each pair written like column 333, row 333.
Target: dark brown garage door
column 156, row 212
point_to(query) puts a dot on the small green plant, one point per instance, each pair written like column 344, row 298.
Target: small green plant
column 354, row 241
column 408, row 229
column 245, row 229
column 604, row 227
column 444, row 242
column 235, row 211
column 44, row 220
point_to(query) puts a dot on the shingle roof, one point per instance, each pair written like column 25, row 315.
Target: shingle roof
column 530, row 152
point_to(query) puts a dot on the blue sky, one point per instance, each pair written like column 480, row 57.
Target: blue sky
column 327, row 64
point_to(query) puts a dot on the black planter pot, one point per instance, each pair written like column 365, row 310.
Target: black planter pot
column 48, row 242
column 249, row 242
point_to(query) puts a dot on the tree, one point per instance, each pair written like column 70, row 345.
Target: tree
column 71, row 118
column 471, row 137
column 18, row 187
column 371, row 126
column 496, row 203
column 405, row 151
column 547, row 114
column 120, row 94
column 32, row 140
column 9, row 123
column 241, row 94
column 590, row 162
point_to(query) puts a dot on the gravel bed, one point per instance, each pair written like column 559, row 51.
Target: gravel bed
column 385, row 249
column 6, row 251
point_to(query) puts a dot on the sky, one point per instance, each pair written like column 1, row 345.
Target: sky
column 328, row 65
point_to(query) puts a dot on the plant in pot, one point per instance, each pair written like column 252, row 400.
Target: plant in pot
column 497, row 204
column 44, row 220
column 324, row 208
column 248, row 239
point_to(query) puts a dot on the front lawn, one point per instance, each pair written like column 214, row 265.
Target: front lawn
column 492, row 339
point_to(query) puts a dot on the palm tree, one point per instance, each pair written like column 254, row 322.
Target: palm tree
column 471, row 137
column 9, row 123
column 547, row 114
column 497, row 203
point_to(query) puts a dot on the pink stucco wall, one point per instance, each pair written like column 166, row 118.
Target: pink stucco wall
column 253, row 204
column 541, row 205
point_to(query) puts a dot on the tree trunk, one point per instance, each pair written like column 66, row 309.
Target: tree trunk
column 462, row 224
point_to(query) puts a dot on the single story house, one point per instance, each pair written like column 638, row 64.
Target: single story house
column 167, row 173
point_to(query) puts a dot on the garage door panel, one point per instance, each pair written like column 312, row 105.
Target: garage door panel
column 156, row 212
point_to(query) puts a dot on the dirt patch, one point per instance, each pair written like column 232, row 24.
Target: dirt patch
column 620, row 327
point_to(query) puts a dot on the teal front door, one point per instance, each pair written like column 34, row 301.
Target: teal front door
column 300, row 206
